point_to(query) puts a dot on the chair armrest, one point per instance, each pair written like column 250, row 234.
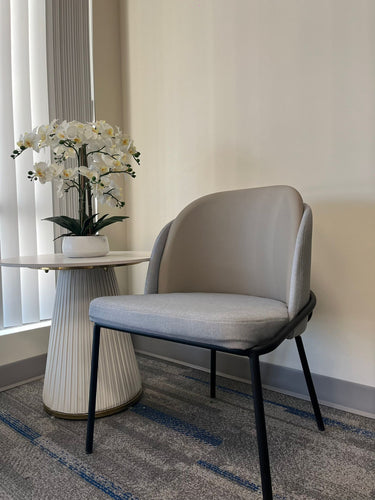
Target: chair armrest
column 299, row 290
column 152, row 277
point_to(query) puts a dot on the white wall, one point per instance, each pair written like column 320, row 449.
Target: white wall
column 229, row 94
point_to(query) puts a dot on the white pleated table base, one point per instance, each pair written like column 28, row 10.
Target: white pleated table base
column 67, row 377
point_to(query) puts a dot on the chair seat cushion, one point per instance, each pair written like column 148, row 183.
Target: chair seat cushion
column 227, row 321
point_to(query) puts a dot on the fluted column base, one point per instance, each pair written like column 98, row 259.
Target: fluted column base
column 67, row 377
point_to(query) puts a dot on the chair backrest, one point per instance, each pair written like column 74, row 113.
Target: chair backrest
column 239, row 241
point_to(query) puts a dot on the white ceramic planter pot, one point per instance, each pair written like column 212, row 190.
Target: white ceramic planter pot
column 85, row 246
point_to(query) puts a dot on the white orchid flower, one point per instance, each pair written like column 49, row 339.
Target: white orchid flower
column 29, row 140
column 88, row 133
column 125, row 158
column 117, row 165
column 60, row 134
column 43, row 172
column 56, row 169
column 104, row 152
column 110, row 201
column 59, row 150
column 124, row 142
column 74, row 132
column 105, row 181
column 102, row 164
column 70, row 153
column 69, row 173
column 43, row 133
column 91, row 174
column 71, row 131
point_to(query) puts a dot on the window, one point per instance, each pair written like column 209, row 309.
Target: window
column 27, row 295
column 45, row 74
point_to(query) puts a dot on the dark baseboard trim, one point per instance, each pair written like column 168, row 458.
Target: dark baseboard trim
column 342, row 394
column 22, row 371
column 337, row 393
column 349, row 396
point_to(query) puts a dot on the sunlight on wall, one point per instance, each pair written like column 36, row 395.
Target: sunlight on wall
column 222, row 95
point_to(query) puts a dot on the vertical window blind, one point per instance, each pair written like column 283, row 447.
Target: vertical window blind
column 69, row 75
column 46, row 73
column 27, row 295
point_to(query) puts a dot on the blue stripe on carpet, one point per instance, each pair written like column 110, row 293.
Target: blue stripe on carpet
column 176, row 424
column 66, row 460
column 235, row 479
column 18, row 426
column 228, row 475
column 295, row 411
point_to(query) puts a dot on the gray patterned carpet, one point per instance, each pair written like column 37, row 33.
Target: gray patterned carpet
column 177, row 443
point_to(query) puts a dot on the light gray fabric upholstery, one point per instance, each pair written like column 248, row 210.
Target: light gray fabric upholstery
column 152, row 277
column 234, row 242
column 301, row 270
column 230, row 271
column 226, row 320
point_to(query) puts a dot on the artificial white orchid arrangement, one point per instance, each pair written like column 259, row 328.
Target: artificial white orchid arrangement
column 98, row 153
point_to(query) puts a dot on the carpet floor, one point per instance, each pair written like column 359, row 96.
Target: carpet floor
column 177, row 443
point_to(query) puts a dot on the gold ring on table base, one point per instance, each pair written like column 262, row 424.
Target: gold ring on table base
column 98, row 414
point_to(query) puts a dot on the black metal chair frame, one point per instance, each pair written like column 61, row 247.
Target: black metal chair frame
column 253, row 355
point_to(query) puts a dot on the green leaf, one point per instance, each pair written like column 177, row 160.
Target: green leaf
column 89, row 227
column 62, row 236
column 69, row 223
column 103, row 221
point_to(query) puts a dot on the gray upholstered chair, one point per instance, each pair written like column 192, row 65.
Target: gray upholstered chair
column 231, row 273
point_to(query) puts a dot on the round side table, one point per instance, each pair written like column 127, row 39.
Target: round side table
column 67, row 376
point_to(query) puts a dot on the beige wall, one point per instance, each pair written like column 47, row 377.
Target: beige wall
column 109, row 97
column 23, row 344
column 226, row 94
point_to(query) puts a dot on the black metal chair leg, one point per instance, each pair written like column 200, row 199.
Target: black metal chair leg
column 260, row 423
column 93, row 386
column 213, row 374
column 310, row 384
